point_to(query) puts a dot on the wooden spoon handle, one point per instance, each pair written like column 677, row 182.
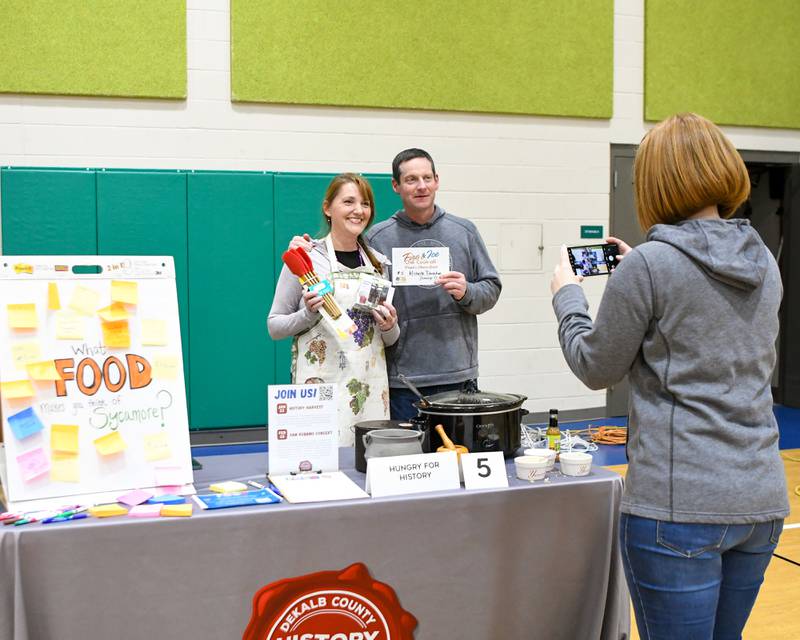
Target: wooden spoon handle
column 445, row 440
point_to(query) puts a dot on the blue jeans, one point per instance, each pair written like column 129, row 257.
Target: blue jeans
column 694, row 581
column 401, row 399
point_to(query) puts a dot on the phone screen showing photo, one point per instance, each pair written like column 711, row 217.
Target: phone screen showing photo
column 593, row 260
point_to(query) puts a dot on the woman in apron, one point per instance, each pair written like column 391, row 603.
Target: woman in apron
column 357, row 363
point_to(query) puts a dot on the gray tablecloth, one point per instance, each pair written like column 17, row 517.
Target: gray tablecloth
column 531, row 561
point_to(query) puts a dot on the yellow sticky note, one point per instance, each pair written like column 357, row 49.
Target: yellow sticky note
column 45, row 370
column 84, row 300
column 179, row 510
column 117, row 334
column 165, row 367
column 25, row 352
column 154, row 333
column 114, row 311
column 110, row 444
column 64, row 467
column 64, row 438
column 156, row 447
column 229, row 486
column 124, row 291
column 53, row 299
column 70, row 326
column 16, row 389
column 22, row 316
column 107, row 510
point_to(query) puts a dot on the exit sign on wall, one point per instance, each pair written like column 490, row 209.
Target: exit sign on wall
column 591, row 231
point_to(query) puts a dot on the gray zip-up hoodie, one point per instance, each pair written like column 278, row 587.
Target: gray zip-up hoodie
column 692, row 316
column 438, row 335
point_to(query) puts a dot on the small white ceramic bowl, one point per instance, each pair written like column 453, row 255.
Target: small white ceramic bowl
column 547, row 454
column 575, row 463
column 531, row 468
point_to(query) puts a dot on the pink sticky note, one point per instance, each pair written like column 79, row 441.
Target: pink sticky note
column 32, row 464
column 169, row 476
column 135, row 497
column 165, row 489
column 145, row 511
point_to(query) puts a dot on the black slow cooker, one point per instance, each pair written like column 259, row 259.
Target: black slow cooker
column 480, row 420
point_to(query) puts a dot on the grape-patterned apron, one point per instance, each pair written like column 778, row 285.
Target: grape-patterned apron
column 357, row 364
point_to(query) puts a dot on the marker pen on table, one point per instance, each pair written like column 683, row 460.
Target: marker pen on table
column 74, row 516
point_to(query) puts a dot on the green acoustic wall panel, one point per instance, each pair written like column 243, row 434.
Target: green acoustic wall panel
column 131, row 48
column 734, row 61
column 231, row 284
column 144, row 213
column 48, row 212
column 298, row 210
column 517, row 56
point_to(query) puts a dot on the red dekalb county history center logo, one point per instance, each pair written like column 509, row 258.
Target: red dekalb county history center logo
column 329, row 605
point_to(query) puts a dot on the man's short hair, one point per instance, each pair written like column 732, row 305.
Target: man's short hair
column 683, row 165
column 405, row 156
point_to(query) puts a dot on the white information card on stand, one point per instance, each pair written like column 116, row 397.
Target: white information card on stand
column 91, row 376
column 303, row 428
column 304, row 444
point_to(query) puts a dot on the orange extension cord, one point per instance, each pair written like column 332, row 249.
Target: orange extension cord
column 603, row 435
column 608, row 434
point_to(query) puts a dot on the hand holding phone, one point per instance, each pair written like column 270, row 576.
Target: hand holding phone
column 593, row 259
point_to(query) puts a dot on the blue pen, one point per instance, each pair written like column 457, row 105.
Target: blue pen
column 74, row 516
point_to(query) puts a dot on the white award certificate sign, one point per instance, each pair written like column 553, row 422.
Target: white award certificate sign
column 420, row 473
column 302, row 428
column 419, row 265
column 484, row 470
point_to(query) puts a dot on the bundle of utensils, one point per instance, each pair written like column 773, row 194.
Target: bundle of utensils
column 299, row 263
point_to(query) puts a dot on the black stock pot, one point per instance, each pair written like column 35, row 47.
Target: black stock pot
column 480, row 420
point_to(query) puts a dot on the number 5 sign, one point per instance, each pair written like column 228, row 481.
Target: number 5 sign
column 484, row 470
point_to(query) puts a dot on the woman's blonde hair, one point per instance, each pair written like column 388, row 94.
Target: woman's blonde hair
column 365, row 189
column 683, row 165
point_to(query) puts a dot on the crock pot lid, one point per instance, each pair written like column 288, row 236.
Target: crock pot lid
column 473, row 400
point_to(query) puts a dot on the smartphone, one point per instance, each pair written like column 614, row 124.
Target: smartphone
column 593, row 259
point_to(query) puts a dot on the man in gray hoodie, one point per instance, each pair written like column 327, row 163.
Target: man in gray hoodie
column 438, row 345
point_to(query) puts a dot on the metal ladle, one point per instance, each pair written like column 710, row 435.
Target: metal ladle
column 417, row 392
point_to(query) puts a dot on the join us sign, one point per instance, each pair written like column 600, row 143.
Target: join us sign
column 91, row 376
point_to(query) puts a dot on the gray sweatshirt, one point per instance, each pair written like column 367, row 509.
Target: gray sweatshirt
column 438, row 335
column 692, row 316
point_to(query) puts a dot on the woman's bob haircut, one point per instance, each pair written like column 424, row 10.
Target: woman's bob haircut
column 683, row 165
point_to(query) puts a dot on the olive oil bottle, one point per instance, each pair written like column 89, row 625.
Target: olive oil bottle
column 553, row 432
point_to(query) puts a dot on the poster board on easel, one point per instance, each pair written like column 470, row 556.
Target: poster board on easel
column 91, row 377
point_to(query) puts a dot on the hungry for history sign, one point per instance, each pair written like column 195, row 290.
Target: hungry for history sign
column 91, row 376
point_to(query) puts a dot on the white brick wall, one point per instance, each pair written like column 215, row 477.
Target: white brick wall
column 493, row 168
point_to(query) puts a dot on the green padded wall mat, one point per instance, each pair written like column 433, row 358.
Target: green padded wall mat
column 298, row 210
column 226, row 230
column 144, row 213
column 48, row 211
column 735, row 62
column 231, row 285
column 518, row 56
column 134, row 48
